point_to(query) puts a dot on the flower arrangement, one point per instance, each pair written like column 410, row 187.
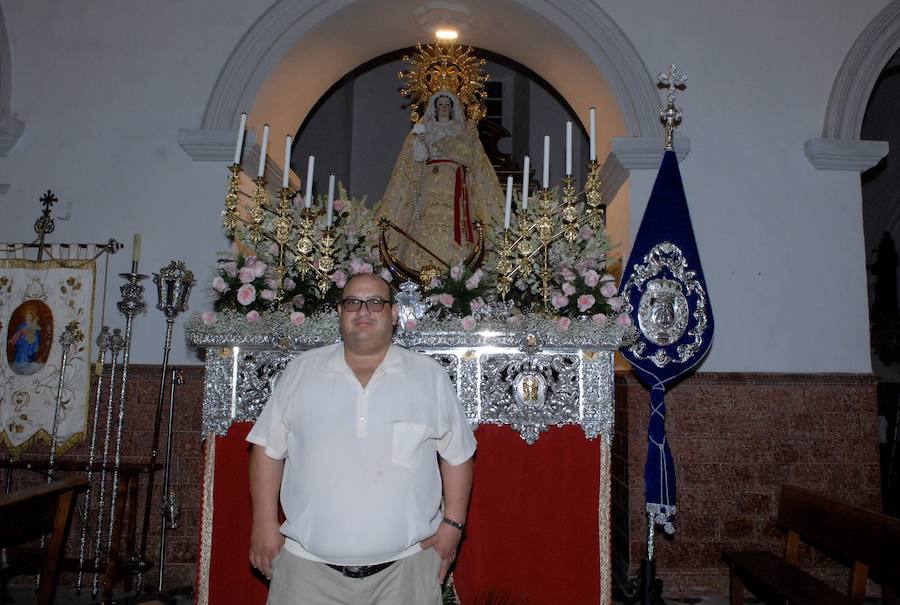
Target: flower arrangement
column 248, row 284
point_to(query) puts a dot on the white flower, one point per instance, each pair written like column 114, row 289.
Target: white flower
column 468, row 323
column 608, row 290
column 297, row 318
column 219, row 285
column 208, row 317
column 252, row 317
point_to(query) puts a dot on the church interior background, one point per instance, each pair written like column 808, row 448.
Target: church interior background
column 128, row 113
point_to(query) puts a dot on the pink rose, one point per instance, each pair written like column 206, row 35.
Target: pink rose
column 289, row 284
column 567, row 274
column 365, row 268
column 297, row 318
column 599, row 319
column 586, row 233
column 340, row 205
column 477, row 304
column 456, row 271
column 267, row 294
column 608, row 290
column 358, row 266
column 252, row 317
column 616, row 303
column 558, row 300
column 591, row 278
column 514, row 320
column 299, row 301
column 274, row 250
column 473, row 281
column 411, row 324
column 208, row 317
column 339, row 278
column 246, row 275
column 623, row 320
column 563, row 323
column 219, row 285
column 272, row 282
column 246, row 294
column 568, row 289
column 446, row 299
column 435, row 284
column 386, row 276
column 230, row 268
column 259, row 268
column 468, row 323
column 585, row 302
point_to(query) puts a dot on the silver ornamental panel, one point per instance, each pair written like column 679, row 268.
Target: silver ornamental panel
column 528, row 388
column 663, row 310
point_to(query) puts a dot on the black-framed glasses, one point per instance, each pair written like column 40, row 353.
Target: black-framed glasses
column 373, row 305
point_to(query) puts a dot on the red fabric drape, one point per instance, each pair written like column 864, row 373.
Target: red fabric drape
column 231, row 579
column 460, row 203
column 533, row 523
column 532, row 527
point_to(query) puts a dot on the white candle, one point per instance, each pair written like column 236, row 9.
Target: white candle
column 525, row 183
column 240, row 139
column 593, row 129
column 509, row 190
column 545, row 182
column 329, row 212
column 262, row 152
column 287, row 162
column 309, row 181
column 568, row 148
column 135, row 252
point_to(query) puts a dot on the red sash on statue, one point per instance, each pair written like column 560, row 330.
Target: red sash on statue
column 460, row 203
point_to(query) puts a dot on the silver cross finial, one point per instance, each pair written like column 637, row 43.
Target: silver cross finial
column 670, row 115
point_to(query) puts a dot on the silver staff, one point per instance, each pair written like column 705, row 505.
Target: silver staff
column 116, row 344
column 69, row 337
column 170, row 512
column 173, row 286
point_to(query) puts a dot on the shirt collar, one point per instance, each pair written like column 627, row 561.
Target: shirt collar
column 392, row 361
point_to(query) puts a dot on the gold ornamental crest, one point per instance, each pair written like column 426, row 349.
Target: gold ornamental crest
column 445, row 66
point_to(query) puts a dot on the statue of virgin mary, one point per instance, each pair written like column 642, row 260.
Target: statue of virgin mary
column 441, row 185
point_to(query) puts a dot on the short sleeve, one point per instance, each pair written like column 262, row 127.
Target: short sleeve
column 456, row 442
column 272, row 427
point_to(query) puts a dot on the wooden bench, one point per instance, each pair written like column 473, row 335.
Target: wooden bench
column 28, row 514
column 868, row 542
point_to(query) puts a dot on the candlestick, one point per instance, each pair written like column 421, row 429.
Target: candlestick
column 309, row 181
column 545, row 182
column 287, row 162
column 525, row 183
column 262, row 152
column 240, row 139
column 509, row 191
column 592, row 130
column 568, row 148
column 329, row 212
column 135, row 252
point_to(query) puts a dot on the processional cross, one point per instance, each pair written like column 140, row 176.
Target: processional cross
column 44, row 224
column 671, row 115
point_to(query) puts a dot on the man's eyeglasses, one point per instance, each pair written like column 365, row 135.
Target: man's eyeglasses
column 373, row 305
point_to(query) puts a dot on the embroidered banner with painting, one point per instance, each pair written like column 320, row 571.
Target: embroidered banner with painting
column 38, row 299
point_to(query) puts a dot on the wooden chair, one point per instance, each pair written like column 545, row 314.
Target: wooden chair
column 28, row 514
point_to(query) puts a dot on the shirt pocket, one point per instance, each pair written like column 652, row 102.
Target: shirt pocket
column 408, row 440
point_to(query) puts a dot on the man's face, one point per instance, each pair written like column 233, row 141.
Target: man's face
column 365, row 330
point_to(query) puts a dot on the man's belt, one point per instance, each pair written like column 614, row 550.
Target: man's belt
column 360, row 571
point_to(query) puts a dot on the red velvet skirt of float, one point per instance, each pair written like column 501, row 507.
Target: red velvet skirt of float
column 533, row 526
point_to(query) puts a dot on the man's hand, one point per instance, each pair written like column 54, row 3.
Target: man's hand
column 445, row 542
column 265, row 544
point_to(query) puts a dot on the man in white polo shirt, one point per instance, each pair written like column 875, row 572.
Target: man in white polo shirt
column 362, row 438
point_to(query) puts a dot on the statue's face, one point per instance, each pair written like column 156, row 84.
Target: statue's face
column 444, row 108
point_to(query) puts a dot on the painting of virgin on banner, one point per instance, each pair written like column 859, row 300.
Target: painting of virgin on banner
column 38, row 299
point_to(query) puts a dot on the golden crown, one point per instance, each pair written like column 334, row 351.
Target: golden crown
column 445, row 66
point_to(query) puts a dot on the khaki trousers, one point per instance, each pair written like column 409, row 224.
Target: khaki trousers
column 409, row 581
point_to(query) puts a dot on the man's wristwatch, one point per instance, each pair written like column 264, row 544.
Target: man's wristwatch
column 460, row 526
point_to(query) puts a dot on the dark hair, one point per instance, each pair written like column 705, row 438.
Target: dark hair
column 449, row 98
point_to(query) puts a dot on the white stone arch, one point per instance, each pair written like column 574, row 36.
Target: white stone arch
column 840, row 147
column 288, row 22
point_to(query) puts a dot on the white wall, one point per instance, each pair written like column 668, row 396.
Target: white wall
column 103, row 88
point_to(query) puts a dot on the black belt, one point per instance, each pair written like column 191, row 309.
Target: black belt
column 360, row 571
